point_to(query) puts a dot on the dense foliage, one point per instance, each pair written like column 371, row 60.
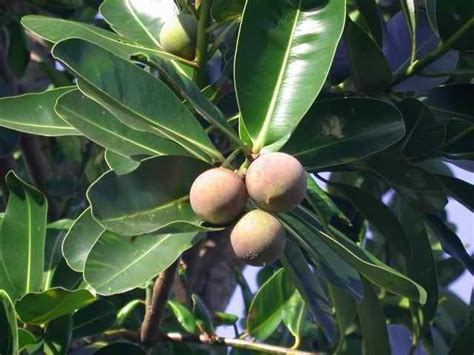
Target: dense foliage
column 104, row 131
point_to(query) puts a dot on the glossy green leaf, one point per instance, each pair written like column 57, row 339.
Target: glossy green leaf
column 67, row 278
column 93, row 319
column 425, row 131
column 463, row 343
column 223, row 10
column 52, row 254
column 450, row 242
column 8, row 327
column 373, row 18
column 378, row 214
column 80, row 239
column 293, row 315
column 421, row 189
column 284, row 53
column 117, row 264
column 451, row 16
column 100, row 126
column 151, row 198
column 370, row 70
column 120, row 349
column 136, row 105
column 451, row 101
column 184, row 316
column 25, row 339
column 22, row 239
column 367, row 264
column 373, row 323
column 137, row 20
column 421, row 266
column 39, row 308
column 461, row 190
column 340, row 131
column 322, row 204
column 34, row 113
column 190, row 91
column 120, row 164
column 346, row 310
column 58, row 336
column 333, row 266
column 459, row 140
column 309, row 288
column 265, row 312
column 55, row 30
column 203, row 315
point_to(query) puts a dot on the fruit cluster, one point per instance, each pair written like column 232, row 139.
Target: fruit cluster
column 275, row 182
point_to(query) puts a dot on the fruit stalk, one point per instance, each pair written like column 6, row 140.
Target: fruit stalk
column 202, row 41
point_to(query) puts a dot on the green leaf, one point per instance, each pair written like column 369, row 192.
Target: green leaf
column 367, row 264
column 378, row 215
column 120, row 348
column 8, row 327
column 463, row 343
column 67, row 278
column 346, row 311
column 293, row 315
column 322, row 204
column 451, row 16
column 118, row 264
column 136, row 105
column 461, row 190
column 18, row 55
column 203, row 315
column 342, row 130
column 120, row 164
column 80, row 239
column 39, row 308
column 190, row 91
column 373, row 18
column 451, row 101
column 58, row 336
column 284, row 53
column 34, row 113
column 101, row 127
column 459, row 140
column 309, row 288
column 22, row 239
column 93, row 319
column 370, row 70
column 137, row 20
column 136, row 204
column 184, row 316
column 425, row 131
column 52, row 255
column 373, row 324
column 265, row 313
column 421, row 189
column 25, row 339
column 421, row 265
column 333, row 266
column 54, row 30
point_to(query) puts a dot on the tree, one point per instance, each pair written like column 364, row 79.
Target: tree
column 100, row 246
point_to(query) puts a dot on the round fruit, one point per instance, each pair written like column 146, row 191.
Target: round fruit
column 276, row 182
column 178, row 36
column 218, row 196
column 258, row 238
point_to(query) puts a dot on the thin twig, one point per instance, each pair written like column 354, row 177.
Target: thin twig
column 235, row 343
column 154, row 310
column 418, row 65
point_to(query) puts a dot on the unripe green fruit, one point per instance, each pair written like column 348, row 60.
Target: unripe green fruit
column 258, row 238
column 218, row 196
column 276, row 182
column 178, row 36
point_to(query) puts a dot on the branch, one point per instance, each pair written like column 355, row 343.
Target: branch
column 235, row 343
column 202, row 41
column 416, row 66
column 154, row 310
